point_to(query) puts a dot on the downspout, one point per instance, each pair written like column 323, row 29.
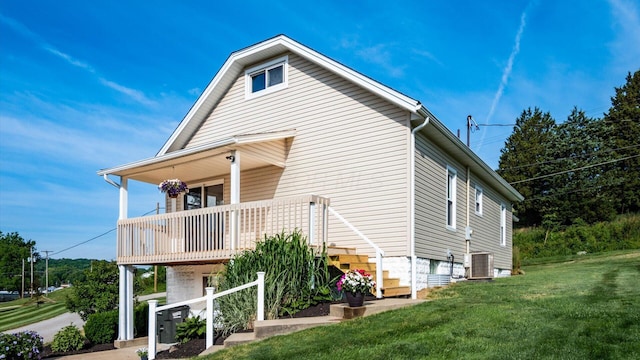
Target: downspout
column 109, row 181
column 412, row 215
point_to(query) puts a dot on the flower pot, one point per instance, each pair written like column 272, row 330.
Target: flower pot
column 144, row 357
column 355, row 299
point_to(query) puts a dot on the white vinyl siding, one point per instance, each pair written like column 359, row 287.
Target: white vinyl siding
column 350, row 146
column 433, row 238
column 487, row 228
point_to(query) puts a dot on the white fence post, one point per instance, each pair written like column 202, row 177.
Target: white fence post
column 260, row 296
column 379, row 276
column 152, row 329
column 210, row 292
column 312, row 223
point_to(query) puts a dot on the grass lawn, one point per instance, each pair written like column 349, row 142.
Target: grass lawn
column 583, row 308
column 27, row 311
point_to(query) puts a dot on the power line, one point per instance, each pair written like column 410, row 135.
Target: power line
column 576, row 169
column 573, row 157
column 97, row 237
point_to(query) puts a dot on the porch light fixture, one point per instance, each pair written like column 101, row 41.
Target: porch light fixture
column 231, row 158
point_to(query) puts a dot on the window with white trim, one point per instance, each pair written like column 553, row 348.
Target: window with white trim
column 479, row 196
column 266, row 78
column 503, row 225
column 452, row 178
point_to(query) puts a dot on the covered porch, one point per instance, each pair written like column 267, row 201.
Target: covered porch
column 201, row 232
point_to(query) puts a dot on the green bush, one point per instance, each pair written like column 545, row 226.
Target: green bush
column 191, row 328
column 295, row 279
column 20, row 345
column 623, row 233
column 67, row 339
column 141, row 319
column 102, row 328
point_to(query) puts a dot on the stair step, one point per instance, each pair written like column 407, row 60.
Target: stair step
column 396, row 291
column 336, row 250
column 265, row 329
column 390, row 283
column 366, row 266
column 239, row 339
column 349, row 258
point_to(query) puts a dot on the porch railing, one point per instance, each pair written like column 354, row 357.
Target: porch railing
column 218, row 233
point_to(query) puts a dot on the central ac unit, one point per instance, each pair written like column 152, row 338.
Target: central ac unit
column 480, row 265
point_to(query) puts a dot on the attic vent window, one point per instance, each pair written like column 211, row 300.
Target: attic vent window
column 266, row 78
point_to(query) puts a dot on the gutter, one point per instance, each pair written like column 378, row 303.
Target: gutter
column 412, row 215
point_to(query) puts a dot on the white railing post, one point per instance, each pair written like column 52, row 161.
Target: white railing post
column 379, row 276
column 152, row 329
column 260, row 315
column 312, row 223
column 210, row 292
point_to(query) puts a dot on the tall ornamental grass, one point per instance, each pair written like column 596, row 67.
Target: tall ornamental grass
column 295, row 278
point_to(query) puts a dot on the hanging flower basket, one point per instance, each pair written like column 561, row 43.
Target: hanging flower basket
column 173, row 187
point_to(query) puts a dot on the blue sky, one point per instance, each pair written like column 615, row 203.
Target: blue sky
column 86, row 85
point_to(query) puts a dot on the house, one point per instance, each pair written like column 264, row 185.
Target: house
column 283, row 138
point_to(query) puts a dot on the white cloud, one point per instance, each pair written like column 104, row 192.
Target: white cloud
column 136, row 95
column 69, row 59
column 625, row 47
column 506, row 73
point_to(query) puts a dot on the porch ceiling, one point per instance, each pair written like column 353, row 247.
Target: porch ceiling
column 207, row 161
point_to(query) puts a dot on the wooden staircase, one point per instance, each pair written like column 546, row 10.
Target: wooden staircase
column 346, row 259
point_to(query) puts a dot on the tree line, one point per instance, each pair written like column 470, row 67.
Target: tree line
column 583, row 170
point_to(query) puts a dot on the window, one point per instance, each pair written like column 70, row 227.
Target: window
column 503, row 225
column 266, row 78
column 479, row 194
column 451, row 198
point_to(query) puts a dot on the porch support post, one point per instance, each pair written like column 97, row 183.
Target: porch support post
column 235, row 196
column 129, row 299
column 122, row 269
column 124, row 198
column 122, row 303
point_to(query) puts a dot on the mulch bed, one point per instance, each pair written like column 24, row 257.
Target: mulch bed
column 48, row 353
column 189, row 349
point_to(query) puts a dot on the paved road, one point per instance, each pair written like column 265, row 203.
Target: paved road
column 48, row 328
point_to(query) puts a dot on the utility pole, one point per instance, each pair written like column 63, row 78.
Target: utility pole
column 22, row 293
column 46, row 271
column 470, row 124
column 31, row 259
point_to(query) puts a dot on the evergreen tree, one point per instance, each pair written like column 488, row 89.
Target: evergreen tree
column 575, row 183
column 522, row 160
column 98, row 293
column 623, row 120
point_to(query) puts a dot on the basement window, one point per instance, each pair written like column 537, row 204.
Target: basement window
column 266, row 78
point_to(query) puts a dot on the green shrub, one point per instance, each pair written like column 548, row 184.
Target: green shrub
column 141, row 319
column 623, row 233
column 20, row 345
column 67, row 339
column 102, row 328
column 191, row 328
column 295, row 279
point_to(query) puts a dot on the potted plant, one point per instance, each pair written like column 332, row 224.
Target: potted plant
column 356, row 284
column 173, row 187
column 143, row 353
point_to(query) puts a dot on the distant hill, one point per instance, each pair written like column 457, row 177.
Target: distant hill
column 62, row 271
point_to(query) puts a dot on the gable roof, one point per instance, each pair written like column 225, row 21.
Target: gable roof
column 237, row 62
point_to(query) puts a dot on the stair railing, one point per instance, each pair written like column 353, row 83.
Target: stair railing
column 209, row 297
column 379, row 252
